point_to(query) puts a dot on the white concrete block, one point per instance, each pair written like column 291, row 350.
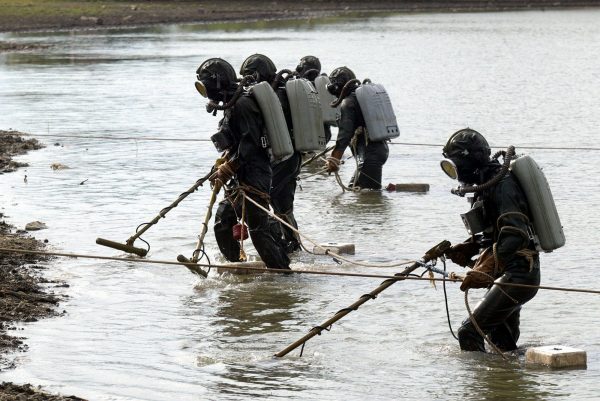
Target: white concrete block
column 334, row 247
column 557, row 356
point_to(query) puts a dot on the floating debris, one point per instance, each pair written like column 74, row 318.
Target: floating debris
column 35, row 226
column 58, row 166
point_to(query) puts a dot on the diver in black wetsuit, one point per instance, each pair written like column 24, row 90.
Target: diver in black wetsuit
column 370, row 155
column 241, row 134
column 285, row 172
column 502, row 228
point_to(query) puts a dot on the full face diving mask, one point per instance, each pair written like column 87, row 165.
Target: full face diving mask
column 449, row 167
column 201, row 88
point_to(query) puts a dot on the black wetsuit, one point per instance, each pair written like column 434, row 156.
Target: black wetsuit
column 245, row 123
column 499, row 311
column 370, row 155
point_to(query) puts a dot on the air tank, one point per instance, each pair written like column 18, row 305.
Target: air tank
column 272, row 112
column 377, row 111
column 546, row 221
column 307, row 119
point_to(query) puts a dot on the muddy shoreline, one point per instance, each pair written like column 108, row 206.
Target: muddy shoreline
column 26, row 295
column 21, row 15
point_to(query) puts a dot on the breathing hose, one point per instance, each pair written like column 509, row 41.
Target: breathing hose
column 279, row 78
column 508, row 157
column 349, row 87
column 213, row 106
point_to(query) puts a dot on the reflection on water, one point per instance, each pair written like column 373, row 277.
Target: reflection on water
column 496, row 379
column 158, row 333
column 262, row 306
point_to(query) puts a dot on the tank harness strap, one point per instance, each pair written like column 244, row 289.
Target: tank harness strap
column 515, row 230
column 512, row 229
column 529, row 255
column 523, row 216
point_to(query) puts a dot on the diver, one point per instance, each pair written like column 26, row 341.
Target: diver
column 309, row 68
column 285, row 172
column 370, row 155
column 499, row 222
column 241, row 135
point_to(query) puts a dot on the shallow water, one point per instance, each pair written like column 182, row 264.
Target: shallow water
column 156, row 332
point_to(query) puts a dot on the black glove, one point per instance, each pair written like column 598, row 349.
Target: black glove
column 462, row 253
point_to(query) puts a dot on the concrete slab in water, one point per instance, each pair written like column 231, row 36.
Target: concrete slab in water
column 557, row 356
column 334, row 247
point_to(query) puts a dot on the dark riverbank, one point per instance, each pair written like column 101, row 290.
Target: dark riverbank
column 24, row 15
column 25, row 294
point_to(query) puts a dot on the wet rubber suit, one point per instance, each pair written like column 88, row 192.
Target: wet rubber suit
column 498, row 312
column 370, row 155
column 245, row 123
column 283, row 188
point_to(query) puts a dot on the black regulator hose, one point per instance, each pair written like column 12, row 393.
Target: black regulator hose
column 508, row 155
column 308, row 74
column 213, row 106
column 278, row 80
column 348, row 88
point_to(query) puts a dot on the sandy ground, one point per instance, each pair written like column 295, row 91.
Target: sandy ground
column 25, row 294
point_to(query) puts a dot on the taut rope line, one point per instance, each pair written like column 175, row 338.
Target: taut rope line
column 262, row 269
column 171, row 139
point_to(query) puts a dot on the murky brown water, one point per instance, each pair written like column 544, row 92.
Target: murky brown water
column 154, row 332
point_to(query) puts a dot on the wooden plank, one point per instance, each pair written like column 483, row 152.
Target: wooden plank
column 239, row 268
column 408, row 187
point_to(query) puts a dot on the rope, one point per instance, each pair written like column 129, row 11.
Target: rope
column 327, row 250
column 243, row 256
column 172, row 139
column 474, row 321
column 481, row 333
column 299, row 271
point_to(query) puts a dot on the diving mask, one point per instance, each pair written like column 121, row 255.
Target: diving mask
column 201, row 88
column 449, row 167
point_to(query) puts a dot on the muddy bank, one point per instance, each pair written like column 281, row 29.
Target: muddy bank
column 25, row 294
column 13, row 144
column 23, row 15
